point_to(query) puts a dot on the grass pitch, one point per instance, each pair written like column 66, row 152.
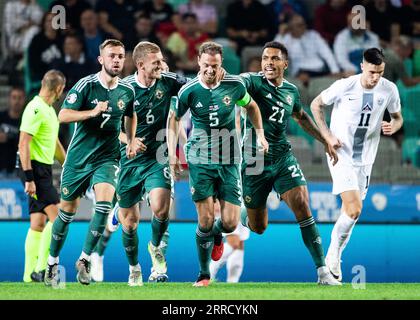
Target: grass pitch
column 216, row 291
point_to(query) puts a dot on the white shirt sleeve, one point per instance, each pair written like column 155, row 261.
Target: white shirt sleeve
column 332, row 93
column 394, row 104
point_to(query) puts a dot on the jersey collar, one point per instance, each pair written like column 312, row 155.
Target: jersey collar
column 141, row 85
column 273, row 85
column 103, row 85
column 205, row 86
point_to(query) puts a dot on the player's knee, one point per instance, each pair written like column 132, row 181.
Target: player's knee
column 37, row 226
column 259, row 228
column 354, row 211
column 130, row 223
column 161, row 213
column 206, row 222
column 229, row 225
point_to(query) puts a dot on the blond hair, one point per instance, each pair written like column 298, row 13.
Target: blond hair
column 143, row 48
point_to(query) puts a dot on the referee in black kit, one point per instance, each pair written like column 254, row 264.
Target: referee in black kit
column 38, row 146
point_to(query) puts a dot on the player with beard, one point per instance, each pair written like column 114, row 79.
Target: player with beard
column 147, row 175
column 279, row 100
column 97, row 104
column 213, row 160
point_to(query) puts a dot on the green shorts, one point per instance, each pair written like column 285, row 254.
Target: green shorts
column 283, row 175
column 135, row 182
column 221, row 181
column 75, row 182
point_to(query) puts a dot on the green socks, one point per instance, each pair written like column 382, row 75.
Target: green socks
column 158, row 229
column 97, row 226
column 164, row 243
column 312, row 241
column 32, row 242
column 44, row 248
column 204, row 240
column 131, row 245
column 60, row 229
column 103, row 243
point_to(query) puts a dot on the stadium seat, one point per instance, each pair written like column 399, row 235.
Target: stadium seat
column 318, row 151
column 301, row 149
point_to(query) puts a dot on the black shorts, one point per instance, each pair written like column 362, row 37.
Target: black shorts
column 45, row 191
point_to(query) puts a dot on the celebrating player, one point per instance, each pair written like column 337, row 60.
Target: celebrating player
column 356, row 122
column 279, row 100
column 213, row 161
column 96, row 103
column 149, row 171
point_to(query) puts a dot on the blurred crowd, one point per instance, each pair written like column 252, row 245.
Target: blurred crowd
column 325, row 38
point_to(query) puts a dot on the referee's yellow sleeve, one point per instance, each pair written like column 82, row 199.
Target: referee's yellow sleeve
column 31, row 119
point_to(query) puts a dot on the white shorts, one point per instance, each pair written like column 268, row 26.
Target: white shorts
column 347, row 177
column 241, row 231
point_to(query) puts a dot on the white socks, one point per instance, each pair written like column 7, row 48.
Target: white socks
column 235, row 265
column 134, row 268
column 340, row 234
column 216, row 265
column 84, row 256
column 52, row 260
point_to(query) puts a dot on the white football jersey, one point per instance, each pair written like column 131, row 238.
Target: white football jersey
column 357, row 115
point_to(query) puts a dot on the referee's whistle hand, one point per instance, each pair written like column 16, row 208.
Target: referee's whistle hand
column 30, row 188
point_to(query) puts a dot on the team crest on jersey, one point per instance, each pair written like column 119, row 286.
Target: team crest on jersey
column 248, row 199
column 289, row 99
column 121, row 104
column 227, row 100
column 159, row 94
column 65, row 191
column 367, row 107
column 72, row 97
column 380, row 101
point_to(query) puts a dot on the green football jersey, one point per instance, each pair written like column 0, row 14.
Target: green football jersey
column 214, row 138
column 276, row 103
column 152, row 105
column 96, row 140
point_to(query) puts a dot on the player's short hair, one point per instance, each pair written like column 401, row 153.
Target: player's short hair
column 277, row 45
column 52, row 79
column 110, row 43
column 374, row 56
column 143, row 48
column 211, row 48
